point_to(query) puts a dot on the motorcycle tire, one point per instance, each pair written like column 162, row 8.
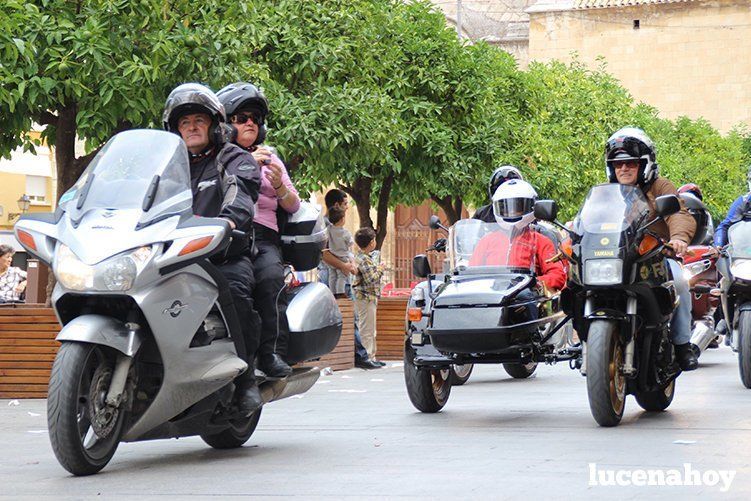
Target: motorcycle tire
column 80, row 376
column 236, row 435
column 460, row 374
column 520, row 371
column 606, row 386
column 657, row 400
column 428, row 389
column 744, row 348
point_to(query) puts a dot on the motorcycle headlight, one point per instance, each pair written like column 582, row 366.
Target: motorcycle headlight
column 114, row 274
column 741, row 268
column 603, row 271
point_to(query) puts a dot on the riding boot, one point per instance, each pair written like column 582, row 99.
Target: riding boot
column 686, row 356
column 247, row 395
column 273, row 366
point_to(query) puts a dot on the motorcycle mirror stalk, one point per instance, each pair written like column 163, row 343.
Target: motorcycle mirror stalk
column 435, row 223
column 547, row 210
column 665, row 206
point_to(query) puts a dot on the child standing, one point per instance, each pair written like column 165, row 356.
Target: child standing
column 340, row 246
column 367, row 287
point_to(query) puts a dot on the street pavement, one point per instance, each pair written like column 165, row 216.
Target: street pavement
column 356, row 435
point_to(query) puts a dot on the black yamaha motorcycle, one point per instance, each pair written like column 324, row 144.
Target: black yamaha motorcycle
column 620, row 296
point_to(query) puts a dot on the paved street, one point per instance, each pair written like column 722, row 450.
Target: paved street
column 356, row 435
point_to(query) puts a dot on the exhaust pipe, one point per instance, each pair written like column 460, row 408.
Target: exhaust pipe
column 702, row 335
column 298, row 382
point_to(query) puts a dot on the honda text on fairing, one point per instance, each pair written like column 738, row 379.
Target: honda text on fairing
column 151, row 342
column 621, row 297
column 478, row 314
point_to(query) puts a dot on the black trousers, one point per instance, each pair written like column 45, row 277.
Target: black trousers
column 239, row 273
column 270, row 302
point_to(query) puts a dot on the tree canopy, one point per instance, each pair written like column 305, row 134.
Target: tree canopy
column 378, row 96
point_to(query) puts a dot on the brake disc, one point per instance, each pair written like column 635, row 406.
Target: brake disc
column 103, row 416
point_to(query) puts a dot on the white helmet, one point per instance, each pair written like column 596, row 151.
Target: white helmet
column 513, row 204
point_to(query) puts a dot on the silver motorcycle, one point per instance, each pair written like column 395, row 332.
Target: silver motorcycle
column 151, row 342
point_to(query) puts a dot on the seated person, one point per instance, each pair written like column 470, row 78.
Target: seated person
column 12, row 279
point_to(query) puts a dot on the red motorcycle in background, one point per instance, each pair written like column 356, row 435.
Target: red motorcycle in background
column 699, row 268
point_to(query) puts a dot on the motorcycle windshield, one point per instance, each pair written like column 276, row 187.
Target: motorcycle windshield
column 478, row 246
column 739, row 237
column 611, row 208
column 142, row 170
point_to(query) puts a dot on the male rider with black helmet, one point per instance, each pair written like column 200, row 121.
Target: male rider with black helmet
column 497, row 178
column 225, row 182
column 630, row 158
column 247, row 107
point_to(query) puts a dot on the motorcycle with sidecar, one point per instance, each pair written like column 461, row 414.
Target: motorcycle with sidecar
column 478, row 313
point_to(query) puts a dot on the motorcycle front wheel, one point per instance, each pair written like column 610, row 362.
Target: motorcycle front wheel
column 239, row 432
column 428, row 389
column 744, row 347
column 606, row 384
column 84, row 431
column 520, row 371
column 657, row 400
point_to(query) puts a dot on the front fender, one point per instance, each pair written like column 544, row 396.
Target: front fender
column 103, row 330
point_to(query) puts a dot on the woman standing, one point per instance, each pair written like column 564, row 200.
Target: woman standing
column 247, row 108
column 12, row 279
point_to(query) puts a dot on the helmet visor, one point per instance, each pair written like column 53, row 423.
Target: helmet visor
column 510, row 208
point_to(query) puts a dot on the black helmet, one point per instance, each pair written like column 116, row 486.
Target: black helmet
column 192, row 98
column 500, row 176
column 631, row 143
column 243, row 95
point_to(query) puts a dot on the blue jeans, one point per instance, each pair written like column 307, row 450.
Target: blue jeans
column 680, row 324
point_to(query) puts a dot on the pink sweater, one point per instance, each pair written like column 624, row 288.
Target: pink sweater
column 267, row 202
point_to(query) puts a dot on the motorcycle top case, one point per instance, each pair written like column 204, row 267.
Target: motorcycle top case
column 315, row 322
column 304, row 237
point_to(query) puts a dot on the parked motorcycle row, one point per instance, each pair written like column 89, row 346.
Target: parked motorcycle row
column 618, row 300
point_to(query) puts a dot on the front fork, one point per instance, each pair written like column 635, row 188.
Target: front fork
column 628, row 368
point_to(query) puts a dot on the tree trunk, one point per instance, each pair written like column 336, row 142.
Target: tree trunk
column 360, row 191
column 451, row 206
column 383, row 210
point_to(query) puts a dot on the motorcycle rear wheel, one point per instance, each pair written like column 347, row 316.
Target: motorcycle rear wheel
column 84, row 431
column 428, row 389
column 520, row 371
column 606, row 384
column 657, row 400
column 744, row 348
column 236, row 435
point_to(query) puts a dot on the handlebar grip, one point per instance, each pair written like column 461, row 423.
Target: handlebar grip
column 239, row 234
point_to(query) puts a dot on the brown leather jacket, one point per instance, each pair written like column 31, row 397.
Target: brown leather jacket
column 680, row 225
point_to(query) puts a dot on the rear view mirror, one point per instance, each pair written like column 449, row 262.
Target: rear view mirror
column 420, row 266
column 434, row 222
column 667, row 205
column 546, row 210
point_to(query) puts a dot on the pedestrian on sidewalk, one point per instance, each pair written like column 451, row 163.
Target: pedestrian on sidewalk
column 367, row 287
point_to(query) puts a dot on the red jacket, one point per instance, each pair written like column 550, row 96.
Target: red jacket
column 527, row 248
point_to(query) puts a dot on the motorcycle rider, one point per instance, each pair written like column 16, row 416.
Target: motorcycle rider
column 630, row 158
column 513, row 204
column 497, row 178
column 225, row 181
column 246, row 107
column 739, row 207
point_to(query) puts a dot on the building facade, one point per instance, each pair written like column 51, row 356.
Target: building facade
column 685, row 57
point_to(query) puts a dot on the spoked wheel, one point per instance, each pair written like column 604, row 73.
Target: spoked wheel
column 84, row 430
column 520, row 371
column 428, row 389
column 657, row 400
column 606, row 384
column 744, row 348
column 460, row 374
column 239, row 432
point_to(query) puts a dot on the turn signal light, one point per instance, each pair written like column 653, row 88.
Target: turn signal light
column 567, row 247
column 414, row 314
column 648, row 243
column 195, row 245
column 26, row 239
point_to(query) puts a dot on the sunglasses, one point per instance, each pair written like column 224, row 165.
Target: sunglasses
column 625, row 165
column 242, row 118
